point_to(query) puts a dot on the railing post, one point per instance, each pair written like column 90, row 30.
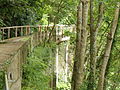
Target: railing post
column 57, row 32
column 26, row 30
column 6, row 82
column 29, row 30
column 39, row 28
column 40, row 34
column 21, row 31
column 62, row 31
column 54, row 34
column 2, row 34
column 16, row 32
column 8, row 32
column 46, row 33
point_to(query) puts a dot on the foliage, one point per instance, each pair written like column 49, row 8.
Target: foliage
column 35, row 75
column 72, row 36
column 2, row 82
column 24, row 12
column 63, row 86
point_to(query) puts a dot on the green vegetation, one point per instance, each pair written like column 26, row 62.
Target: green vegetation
column 90, row 41
column 29, row 12
column 35, row 72
column 2, row 80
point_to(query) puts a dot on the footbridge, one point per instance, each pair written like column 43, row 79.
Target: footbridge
column 17, row 42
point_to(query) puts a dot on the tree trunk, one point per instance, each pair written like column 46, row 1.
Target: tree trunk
column 78, row 69
column 108, row 49
column 93, row 39
column 56, row 64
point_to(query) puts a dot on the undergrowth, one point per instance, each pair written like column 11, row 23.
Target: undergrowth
column 35, row 71
column 2, row 81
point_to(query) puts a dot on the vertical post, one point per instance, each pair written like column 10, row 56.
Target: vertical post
column 62, row 31
column 37, row 36
column 16, row 32
column 2, row 34
column 56, row 33
column 57, row 59
column 26, row 30
column 66, row 61
column 40, row 34
column 8, row 32
column 21, row 31
column 39, row 28
column 6, row 82
column 46, row 33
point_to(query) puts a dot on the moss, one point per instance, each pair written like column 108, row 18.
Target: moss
column 25, row 39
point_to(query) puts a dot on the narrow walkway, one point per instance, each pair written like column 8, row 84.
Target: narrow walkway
column 9, row 47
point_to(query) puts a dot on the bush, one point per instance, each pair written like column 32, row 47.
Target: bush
column 34, row 72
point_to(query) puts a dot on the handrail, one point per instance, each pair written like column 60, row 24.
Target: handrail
column 26, row 30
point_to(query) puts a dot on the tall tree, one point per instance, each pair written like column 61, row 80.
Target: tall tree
column 108, row 49
column 78, row 70
column 93, row 39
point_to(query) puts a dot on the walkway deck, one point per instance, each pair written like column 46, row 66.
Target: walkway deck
column 9, row 47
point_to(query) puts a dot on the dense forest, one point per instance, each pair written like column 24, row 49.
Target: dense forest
column 92, row 52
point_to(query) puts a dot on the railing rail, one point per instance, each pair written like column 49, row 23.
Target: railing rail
column 15, row 31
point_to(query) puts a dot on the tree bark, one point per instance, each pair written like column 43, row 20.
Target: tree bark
column 57, row 65
column 108, row 49
column 93, row 39
column 78, row 69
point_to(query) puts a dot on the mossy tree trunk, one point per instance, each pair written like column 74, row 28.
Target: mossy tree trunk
column 93, row 40
column 108, row 49
column 78, row 69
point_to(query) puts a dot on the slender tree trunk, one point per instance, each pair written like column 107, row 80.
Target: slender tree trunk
column 108, row 49
column 93, row 39
column 57, row 63
column 77, row 51
column 78, row 69
column 91, row 77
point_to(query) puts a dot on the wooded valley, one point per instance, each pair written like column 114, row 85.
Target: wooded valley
column 70, row 44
